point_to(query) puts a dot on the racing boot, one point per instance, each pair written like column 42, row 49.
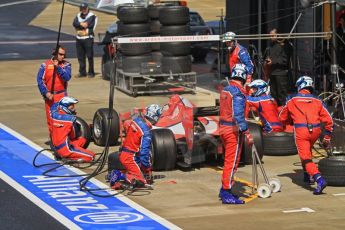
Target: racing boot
column 321, row 184
column 228, row 198
column 147, row 173
column 115, row 176
column 308, row 179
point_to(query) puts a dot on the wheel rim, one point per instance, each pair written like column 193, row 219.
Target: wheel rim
column 275, row 185
column 264, row 191
column 97, row 128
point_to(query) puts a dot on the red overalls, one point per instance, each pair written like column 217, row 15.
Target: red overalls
column 64, row 139
column 306, row 112
column 268, row 112
column 45, row 81
column 231, row 123
column 135, row 153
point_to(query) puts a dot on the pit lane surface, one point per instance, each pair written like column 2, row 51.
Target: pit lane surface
column 187, row 199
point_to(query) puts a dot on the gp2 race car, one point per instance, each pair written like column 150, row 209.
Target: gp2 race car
column 184, row 134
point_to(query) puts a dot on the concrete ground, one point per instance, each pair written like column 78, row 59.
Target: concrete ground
column 187, row 199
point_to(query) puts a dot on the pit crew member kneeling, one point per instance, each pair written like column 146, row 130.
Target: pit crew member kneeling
column 265, row 105
column 233, row 128
column 65, row 141
column 135, row 153
column 307, row 112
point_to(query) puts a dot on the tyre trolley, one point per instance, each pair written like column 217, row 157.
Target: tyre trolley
column 269, row 186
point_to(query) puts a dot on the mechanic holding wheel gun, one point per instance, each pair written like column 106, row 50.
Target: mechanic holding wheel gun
column 238, row 55
column 135, row 152
column 64, row 132
column 233, row 128
column 265, row 105
column 52, row 78
column 307, row 112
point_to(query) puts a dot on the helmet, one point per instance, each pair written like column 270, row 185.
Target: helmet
column 261, row 86
column 65, row 102
column 229, row 36
column 153, row 112
column 239, row 72
column 304, row 82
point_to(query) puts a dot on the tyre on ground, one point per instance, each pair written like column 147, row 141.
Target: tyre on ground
column 333, row 170
column 279, row 144
column 102, row 125
column 83, row 130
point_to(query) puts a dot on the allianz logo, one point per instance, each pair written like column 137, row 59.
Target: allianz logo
column 66, row 192
column 108, row 217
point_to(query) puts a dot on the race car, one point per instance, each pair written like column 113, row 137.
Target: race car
column 184, row 135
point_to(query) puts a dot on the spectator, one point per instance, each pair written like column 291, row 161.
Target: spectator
column 85, row 23
column 52, row 78
column 277, row 59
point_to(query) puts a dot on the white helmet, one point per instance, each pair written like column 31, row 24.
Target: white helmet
column 65, row 102
column 304, row 82
column 239, row 72
column 261, row 86
column 153, row 112
column 229, row 36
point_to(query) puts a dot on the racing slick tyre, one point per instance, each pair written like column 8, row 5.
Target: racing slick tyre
column 107, row 68
column 132, row 14
column 83, row 131
column 114, row 162
column 135, row 49
column 178, row 30
column 255, row 131
column 153, row 11
column 133, row 30
column 174, row 15
column 132, row 64
column 333, row 170
column 179, row 64
column 170, row 49
column 279, row 144
column 163, row 150
column 101, row 126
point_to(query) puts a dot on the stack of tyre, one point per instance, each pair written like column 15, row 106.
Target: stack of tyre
column 155, row 28
column 174, row 21
column 133, row 22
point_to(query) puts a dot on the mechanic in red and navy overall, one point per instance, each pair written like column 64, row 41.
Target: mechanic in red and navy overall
column 307, row 112
column 232, row 129
column 238, row 55
column 53, row 88
column 135, row 153
column 265, row 105
column 64, row 132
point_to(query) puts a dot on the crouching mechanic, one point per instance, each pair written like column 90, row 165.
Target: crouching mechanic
column 267, row 107
column 135, row 153
column 233, row 128
column 307, row 112
column 65, row 141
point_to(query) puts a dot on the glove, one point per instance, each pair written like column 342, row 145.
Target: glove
column 326, row 142
column 249, row 137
